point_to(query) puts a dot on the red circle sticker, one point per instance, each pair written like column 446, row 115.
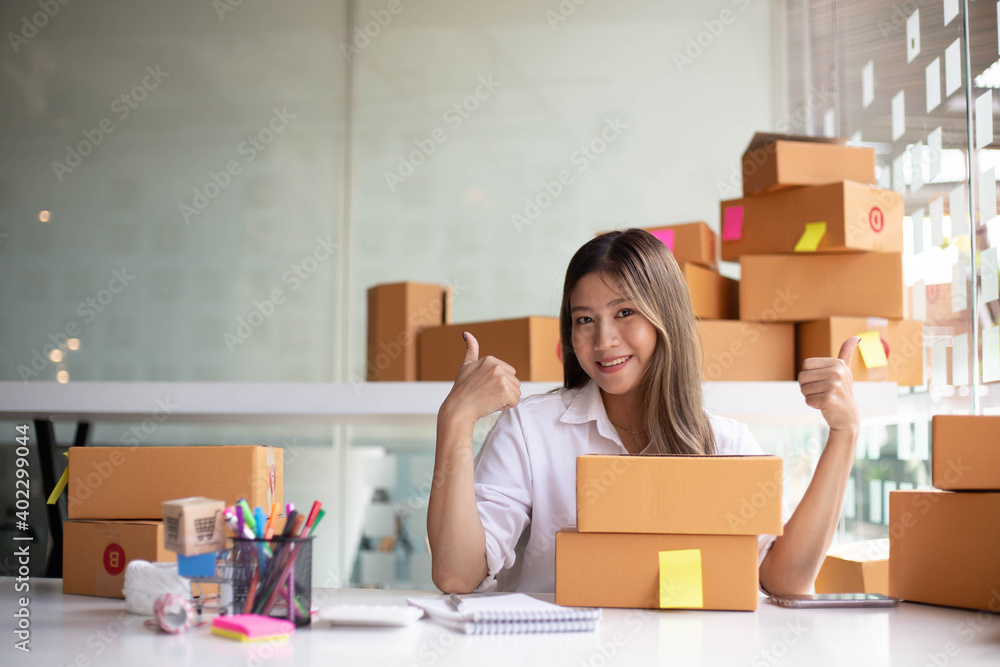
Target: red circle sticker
column 114, row 559
column 876, row 218
column 885, row 346
column 559, row 351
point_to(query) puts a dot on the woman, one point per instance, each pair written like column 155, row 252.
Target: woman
column 632, row 383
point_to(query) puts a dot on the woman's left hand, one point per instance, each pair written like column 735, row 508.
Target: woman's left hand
column 827, row 384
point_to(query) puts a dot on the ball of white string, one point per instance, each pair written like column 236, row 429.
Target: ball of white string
column 145, row 582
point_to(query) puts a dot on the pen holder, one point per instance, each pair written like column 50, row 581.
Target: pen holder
column 273, row 578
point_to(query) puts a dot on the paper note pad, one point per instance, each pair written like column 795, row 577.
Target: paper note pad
column 252, row 627
column 680, row 579
column 810, row 238
column 732, row 224
column 665, row 235
column 872, row 351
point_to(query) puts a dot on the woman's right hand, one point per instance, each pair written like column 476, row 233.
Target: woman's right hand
column 482, row 386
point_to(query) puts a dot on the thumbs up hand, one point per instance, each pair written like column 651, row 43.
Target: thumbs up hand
column 482, row 386
column 827, row 384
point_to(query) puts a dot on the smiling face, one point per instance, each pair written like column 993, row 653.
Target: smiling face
column 612, row 340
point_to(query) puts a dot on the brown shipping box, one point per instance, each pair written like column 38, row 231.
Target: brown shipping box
column 694, row 243
column 133, row 482
column 700, row 495
column 622, row 570
column 194, row 526
column 397, row 313
column 805, row 287
column 856, row 567
column 903, row 338
column 965, row 452
column 774, row 161
column 737, row 351
column 858, row 217
column 944, row 548
column 713, row 297
column 95, row 554
column 529, row 344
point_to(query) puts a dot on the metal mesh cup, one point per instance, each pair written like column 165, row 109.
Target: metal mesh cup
column 273, row 577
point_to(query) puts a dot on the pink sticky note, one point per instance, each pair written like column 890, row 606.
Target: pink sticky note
column 732, row 224
column 667, row 236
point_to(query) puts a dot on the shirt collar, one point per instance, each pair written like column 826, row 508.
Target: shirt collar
column 588, row 406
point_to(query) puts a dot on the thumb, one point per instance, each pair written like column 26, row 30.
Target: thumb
column 471, row 348
column 847, row 349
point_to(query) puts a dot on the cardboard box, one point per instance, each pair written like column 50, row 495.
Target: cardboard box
column 689, row 495
column 397, row 313
column 529, row 344
column 691, row 242
column 622, row 570
column 902, row 341
column 737, row 351
column 856, row 567
column 805, row 287
column 713, row 297
column 133, row 482
column 858, row 217
column 965, row 452
column 194, row 526
column 944, row 548
column 775, row 161
column 95, row 554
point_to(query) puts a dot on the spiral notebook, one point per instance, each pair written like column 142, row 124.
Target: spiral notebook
column 508, row 614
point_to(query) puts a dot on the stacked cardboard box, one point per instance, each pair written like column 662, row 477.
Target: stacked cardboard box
column 820, row 249
column 116, row 496
column 397, row 313
column 668, row 531
column 944, row 543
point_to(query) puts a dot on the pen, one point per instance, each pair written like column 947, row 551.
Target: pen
column 455, row 602
column 260, row 519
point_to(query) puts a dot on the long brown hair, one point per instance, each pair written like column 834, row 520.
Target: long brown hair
column 670, row 388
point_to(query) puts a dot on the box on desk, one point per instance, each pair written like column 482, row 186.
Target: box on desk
column 702, row 495
column 713, row 296
column 133, row 482
column 194, row 526
column 775, row 161
column 529, row 344
column 95, row 554
column 805, row 287
column 856, row 567
column 902, row 343
column 738, row 351
column 397, row 313
column 854, row 217
column 944, row 548
column 623, row 570
column 965, row 452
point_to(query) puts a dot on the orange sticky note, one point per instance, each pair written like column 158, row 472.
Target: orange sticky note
column 872, row 351
column 680, row 579
column 810, row 238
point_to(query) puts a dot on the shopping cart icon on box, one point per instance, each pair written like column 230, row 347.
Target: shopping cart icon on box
column 171, row 523
column 204, row 529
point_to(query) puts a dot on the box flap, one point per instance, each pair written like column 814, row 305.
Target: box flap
column 762, row 139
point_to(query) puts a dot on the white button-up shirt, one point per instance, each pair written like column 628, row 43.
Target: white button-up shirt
column 525, row 480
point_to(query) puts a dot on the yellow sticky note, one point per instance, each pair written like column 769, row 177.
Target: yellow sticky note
column 680, row 579
column 872, row 352
column 810, row 238
column 60, row 485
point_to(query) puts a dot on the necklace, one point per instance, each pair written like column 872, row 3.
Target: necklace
column 622, row 428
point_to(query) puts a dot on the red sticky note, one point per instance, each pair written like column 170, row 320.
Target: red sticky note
column 667, row 236
column 732, row 224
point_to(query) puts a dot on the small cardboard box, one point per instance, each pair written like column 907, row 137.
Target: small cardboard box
column 737, row 351
column 775, row 161
column 856, row 567
column 133, row 482
column 858, row 217
column 944, row 548
column 194, row 526
column 691, row 242
column 397, row 313
column 95, row 554
column 529, row 344
column 902, row 342
column 965, row 452
column 622, row 570
column 805, row 287
column 713, row 297
column 689, row 495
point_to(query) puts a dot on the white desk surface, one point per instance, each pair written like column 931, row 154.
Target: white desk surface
column 85, row 631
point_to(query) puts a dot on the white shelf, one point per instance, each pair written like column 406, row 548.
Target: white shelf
column 372, row 403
